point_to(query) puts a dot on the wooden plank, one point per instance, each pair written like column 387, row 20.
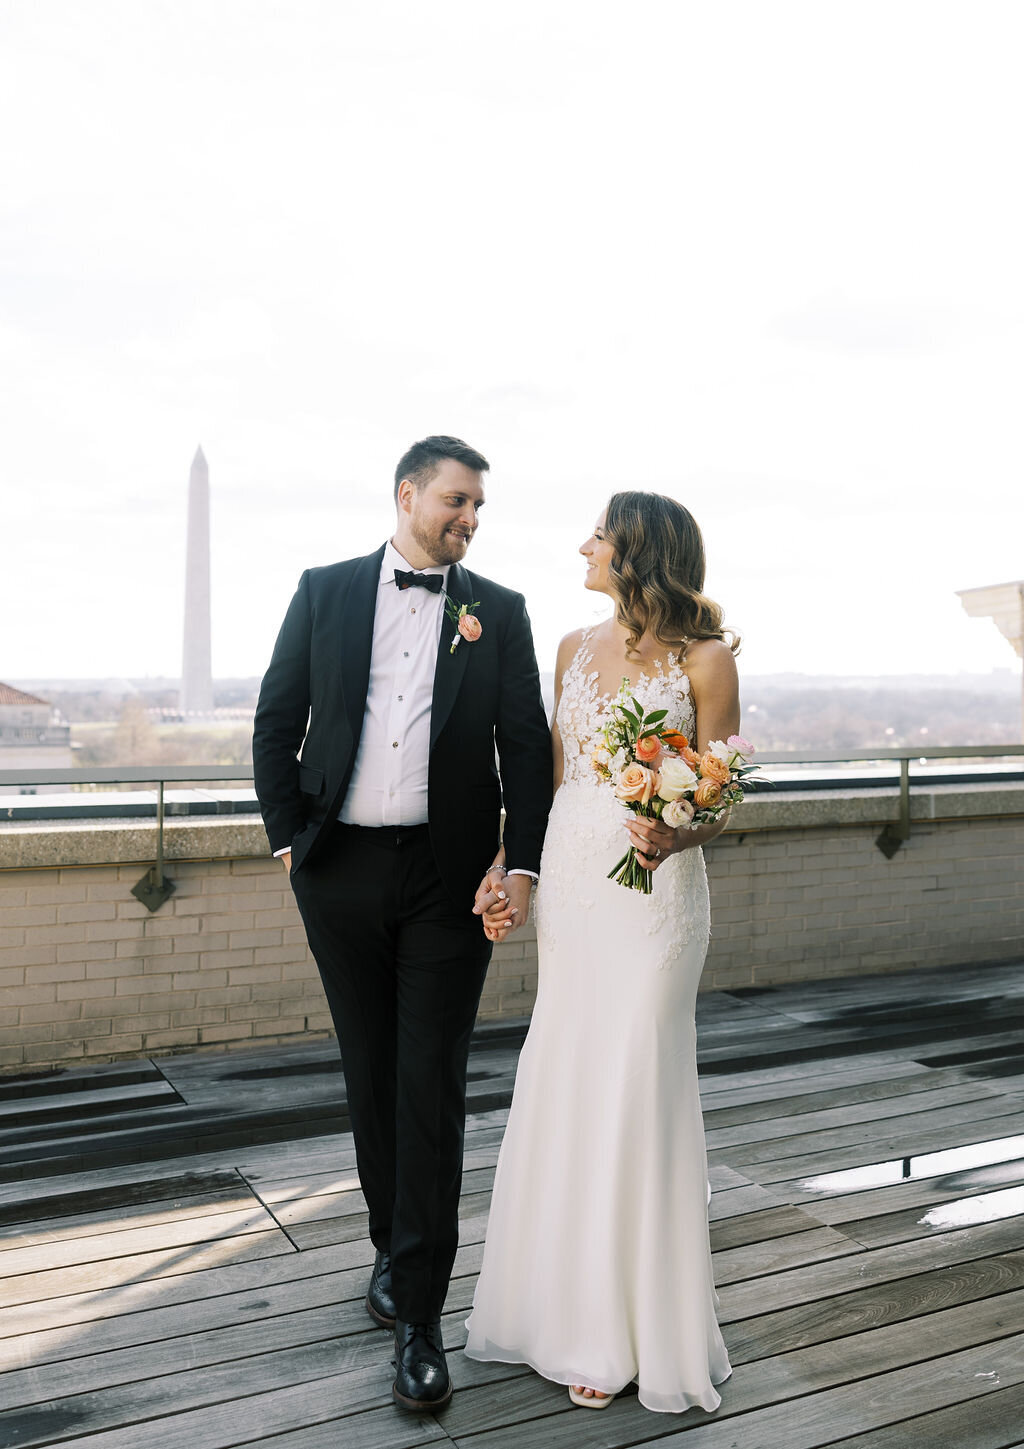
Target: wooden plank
column 194, row 1288
column 915, row 1192
column 883, row 1303
column 113, row 1222
column 881, row 1110
column 910, row 1128
column 126, row 1242
column 1000, row 1118
column 828, row 1279
column 758, row 1227
column 53, row 1202
column 741, row 1200
column 24, row 1110
column 215, row 1423
column 762, row 1259
column 807, row 1421
column 159, row 1263
column 750, row 1104
column 991, row 1423
column 324, row 1206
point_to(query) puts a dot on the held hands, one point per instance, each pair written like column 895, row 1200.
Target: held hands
column 503, row 901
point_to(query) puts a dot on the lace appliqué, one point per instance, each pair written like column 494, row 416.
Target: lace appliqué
column 585, row 832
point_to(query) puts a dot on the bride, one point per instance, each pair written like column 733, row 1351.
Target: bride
column 597, row 1266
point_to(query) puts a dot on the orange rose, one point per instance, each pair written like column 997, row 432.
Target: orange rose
column 707, row 794
column 712, row 768
column 470, row 627
column 648, row 748
column 635, row 784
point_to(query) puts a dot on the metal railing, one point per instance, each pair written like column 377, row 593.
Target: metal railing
column 154, row 888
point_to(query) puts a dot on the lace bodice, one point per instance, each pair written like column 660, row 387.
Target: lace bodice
column 582, row 712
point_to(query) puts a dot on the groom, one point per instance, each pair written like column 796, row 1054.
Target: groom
column 387, row 824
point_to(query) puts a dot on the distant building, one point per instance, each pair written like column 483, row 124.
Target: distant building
column 32, row 733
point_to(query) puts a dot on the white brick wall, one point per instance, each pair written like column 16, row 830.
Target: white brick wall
column 87, row 973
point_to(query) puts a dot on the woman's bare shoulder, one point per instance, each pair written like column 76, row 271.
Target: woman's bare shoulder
column 569, row 643
column 711, row 659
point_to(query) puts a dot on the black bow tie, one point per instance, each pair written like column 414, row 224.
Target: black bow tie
column 433, row 583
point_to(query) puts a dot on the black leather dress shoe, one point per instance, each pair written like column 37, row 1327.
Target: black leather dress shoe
column 379, row 1303
column 422, row 1382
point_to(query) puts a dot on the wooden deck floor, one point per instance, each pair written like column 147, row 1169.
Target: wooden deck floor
column 192, row 1285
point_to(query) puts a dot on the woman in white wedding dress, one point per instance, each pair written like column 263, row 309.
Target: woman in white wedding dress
column 597, row 1267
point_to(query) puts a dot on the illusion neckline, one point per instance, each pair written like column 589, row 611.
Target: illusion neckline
column 662, row 673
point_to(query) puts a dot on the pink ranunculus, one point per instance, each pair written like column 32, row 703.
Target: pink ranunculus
column 676, row 813
column 470, row 627
column 740, row 745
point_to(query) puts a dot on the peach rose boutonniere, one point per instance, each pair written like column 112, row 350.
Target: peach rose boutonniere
column 467, row 625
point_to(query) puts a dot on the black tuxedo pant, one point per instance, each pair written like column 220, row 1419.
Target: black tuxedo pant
column 403, row 969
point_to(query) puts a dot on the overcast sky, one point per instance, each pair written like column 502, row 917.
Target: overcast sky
column 763, row 257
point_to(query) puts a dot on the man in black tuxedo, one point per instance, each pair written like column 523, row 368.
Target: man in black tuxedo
column 387, row 824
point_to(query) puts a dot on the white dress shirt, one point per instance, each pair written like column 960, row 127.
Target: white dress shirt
column 389, row 777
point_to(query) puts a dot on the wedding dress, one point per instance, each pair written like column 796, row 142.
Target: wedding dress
column 597, row 1266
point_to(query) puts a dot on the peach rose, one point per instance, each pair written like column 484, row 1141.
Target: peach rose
column 712, row 768
column 648, row 748
column 636, row 783
column 707, row 794
column 470, row 627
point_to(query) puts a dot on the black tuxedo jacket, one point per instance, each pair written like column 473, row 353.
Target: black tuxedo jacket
column 486, row 694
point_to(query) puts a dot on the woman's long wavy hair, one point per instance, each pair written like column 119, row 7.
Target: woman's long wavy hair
column 657, row 571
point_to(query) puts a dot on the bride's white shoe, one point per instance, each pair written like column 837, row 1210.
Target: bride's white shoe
column 592, row 1403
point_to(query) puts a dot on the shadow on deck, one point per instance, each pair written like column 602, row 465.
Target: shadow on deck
column 184, row 1259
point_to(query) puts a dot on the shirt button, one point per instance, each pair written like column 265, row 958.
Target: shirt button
column 412, row 611
column 405, row 653
column 400, row 698
column 394, row 744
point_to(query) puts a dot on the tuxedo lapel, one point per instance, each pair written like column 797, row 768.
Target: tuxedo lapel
column 450, row 667
column 355, row 637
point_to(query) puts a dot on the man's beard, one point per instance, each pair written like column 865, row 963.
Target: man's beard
column 439, row 544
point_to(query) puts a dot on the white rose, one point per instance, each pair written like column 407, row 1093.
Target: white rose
column 677, row 812
column 674, row 778
column 721, row 751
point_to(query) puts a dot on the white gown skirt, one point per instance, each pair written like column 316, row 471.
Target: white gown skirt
column 597, row 1266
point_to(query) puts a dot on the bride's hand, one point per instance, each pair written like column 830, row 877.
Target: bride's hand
column 654, row 841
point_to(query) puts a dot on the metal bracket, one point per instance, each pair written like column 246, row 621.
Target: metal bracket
column 154, row 888
column 897, row 832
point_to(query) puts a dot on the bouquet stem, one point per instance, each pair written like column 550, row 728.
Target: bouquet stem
column 628, row 872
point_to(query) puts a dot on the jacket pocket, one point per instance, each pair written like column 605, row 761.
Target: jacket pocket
column 311, row 780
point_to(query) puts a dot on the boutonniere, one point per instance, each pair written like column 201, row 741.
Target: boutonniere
column 467, row 625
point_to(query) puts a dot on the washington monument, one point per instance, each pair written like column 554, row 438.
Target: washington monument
column 196, row 677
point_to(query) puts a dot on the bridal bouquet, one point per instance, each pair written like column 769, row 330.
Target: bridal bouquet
column 655, row 773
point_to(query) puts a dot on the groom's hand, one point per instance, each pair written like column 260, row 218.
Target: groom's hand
column 516, row 908
column 490, row 893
